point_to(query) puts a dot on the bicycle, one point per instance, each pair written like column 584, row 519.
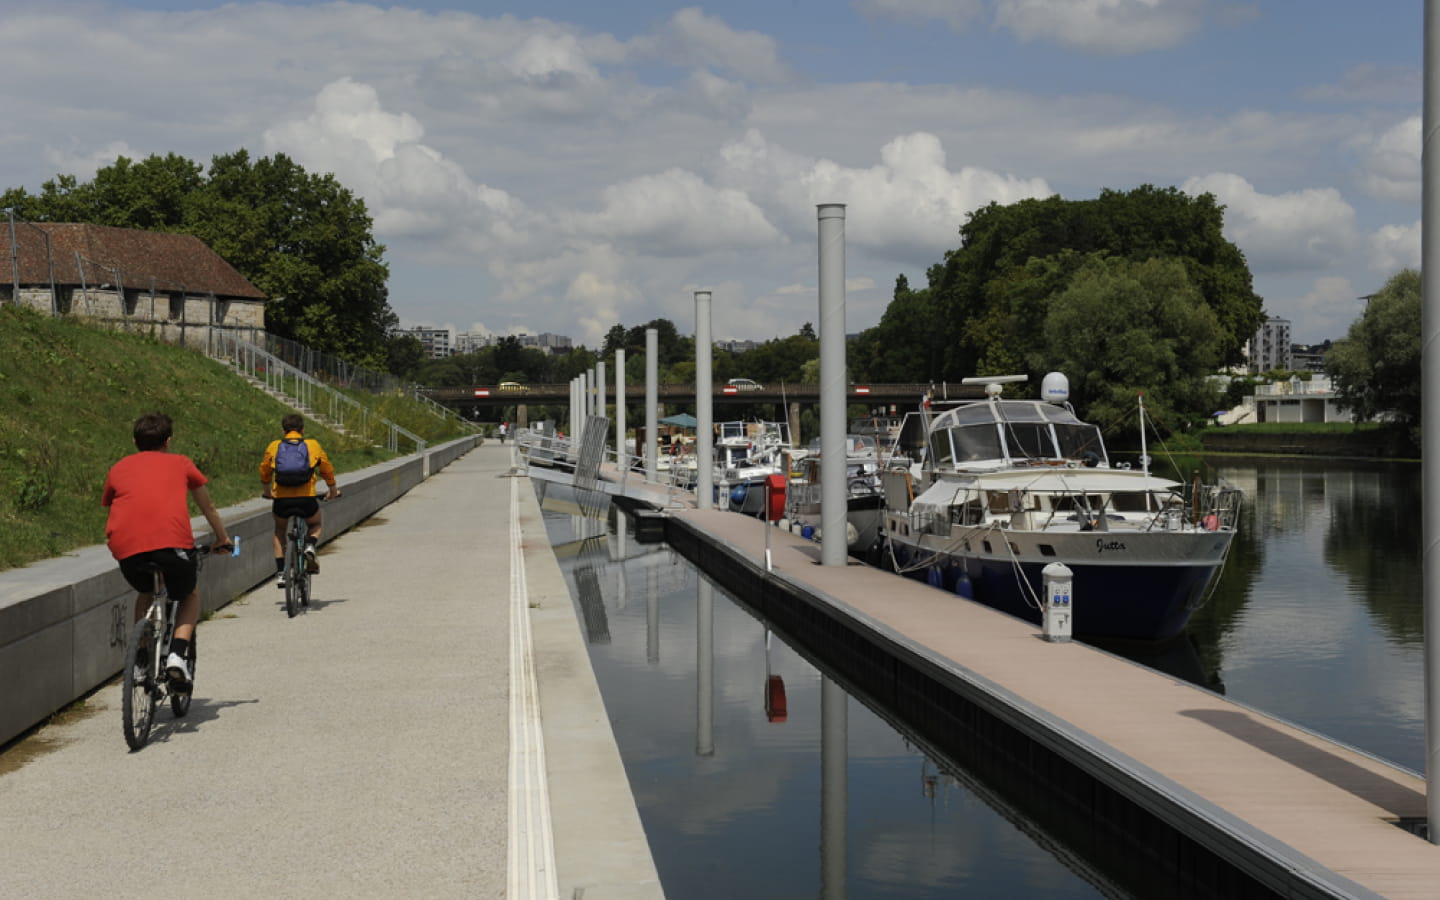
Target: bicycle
column 146, row 683
column 295, row 573
column 297, row 576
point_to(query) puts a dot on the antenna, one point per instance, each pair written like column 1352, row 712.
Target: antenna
column 992, row 382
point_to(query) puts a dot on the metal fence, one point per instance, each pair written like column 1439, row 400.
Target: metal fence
column 307, row 392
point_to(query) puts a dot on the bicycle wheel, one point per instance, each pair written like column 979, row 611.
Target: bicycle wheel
column 180, row 700
column 294, row 571
column 304, row 585
column 140, row 684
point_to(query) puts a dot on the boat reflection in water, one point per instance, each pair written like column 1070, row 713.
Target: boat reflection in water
column 745, row 756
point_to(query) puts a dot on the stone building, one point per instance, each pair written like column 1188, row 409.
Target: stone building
column 172, row 286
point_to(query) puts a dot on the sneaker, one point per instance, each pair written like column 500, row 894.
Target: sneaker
column 177, row 668
column 312, row 565
column 280, row 581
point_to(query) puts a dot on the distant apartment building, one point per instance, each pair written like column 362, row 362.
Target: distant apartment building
column 436, row 341
column 737, row 346
column 1309, row 357
column 1270, row 348
column 472, row 341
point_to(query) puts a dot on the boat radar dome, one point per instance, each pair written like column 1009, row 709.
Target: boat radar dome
column 1055, row 388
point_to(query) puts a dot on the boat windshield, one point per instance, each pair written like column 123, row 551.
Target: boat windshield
column 1012, row 429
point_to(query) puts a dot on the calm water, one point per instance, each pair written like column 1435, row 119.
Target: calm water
column 1316, row 620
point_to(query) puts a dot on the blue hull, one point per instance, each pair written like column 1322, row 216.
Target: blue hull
column 1138, row 603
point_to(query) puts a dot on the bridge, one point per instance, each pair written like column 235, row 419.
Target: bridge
column 905, row 396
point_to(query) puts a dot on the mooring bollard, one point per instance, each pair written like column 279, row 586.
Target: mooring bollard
column 1056, row 615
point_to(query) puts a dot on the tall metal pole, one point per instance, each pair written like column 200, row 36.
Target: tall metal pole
column 652, row 403
column 620, row 449
column 1430, row 408
column 15, row 260
column 600, row 403
column 833, row 549
column 704, row 434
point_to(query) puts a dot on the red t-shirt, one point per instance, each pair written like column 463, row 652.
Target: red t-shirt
column 146, row 493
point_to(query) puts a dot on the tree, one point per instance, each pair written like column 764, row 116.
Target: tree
column 988, row 301
column 404, row 355
column 305, row 240
column 1376, row 368
column 1123, row 328
column 908, row 342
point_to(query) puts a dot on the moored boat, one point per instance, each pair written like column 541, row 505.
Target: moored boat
column 1011, row 486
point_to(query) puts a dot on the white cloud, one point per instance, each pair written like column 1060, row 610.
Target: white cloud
column 1390, row 168
column 910, row 206
column 1306, row 229
column 410, row 188
column 692, row 39
column 675, row 213
column 1327, row 309
column 1395, row 247
column 84, row 163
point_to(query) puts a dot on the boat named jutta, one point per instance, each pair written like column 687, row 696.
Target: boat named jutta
column 1007, row 487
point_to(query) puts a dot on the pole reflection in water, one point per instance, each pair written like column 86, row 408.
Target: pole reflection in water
column 704, row 668
column 834, row 763
column 820, row 801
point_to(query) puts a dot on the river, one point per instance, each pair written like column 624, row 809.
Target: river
column 1317, row 619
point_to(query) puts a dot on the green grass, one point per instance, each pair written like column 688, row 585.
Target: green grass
column 69, row 396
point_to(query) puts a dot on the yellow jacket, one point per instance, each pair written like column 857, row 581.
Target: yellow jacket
column 317, row 455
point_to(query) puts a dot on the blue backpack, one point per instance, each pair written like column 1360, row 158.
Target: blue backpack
column 292, row 463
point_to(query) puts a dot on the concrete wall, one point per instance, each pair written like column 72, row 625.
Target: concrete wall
column 64, row 621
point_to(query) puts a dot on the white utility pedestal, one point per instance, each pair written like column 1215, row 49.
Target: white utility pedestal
column 1057, row 613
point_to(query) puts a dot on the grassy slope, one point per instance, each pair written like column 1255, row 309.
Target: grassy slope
column 69, row 394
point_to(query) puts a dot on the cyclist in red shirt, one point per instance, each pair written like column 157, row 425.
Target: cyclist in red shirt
column 149, row 524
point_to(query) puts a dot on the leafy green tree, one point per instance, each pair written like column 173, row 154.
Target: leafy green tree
column 305, row 240
column 614, row 340
column 908, row 343
column 1376, row 368
column 988, row 300
column 1122, row 328
column 404, row 355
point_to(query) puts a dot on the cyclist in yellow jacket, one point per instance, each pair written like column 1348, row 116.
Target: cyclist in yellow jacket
column 293, row 464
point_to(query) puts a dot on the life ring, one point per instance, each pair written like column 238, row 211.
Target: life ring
column 1210, row 522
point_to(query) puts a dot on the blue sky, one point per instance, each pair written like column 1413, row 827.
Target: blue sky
column 565, row 166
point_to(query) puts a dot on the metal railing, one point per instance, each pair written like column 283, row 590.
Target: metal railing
column 306, row 392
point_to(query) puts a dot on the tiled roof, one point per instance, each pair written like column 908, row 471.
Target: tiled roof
column 175, row 262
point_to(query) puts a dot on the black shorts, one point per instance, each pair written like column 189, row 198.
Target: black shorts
column 304, row 507
column 178, row 566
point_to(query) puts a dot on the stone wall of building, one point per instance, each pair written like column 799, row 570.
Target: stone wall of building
column 175, row 318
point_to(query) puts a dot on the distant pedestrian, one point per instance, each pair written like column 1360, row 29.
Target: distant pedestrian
column 504, row 430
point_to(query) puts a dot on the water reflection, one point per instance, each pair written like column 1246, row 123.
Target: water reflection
column 1318, row 616
column 755, row 774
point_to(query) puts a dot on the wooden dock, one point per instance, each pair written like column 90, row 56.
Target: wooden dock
column 1299, row 814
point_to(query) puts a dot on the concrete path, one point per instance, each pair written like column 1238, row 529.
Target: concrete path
column 370, row 747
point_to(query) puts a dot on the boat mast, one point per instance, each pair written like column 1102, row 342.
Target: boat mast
column 1144, row 455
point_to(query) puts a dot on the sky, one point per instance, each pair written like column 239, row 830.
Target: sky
column 565, row 166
